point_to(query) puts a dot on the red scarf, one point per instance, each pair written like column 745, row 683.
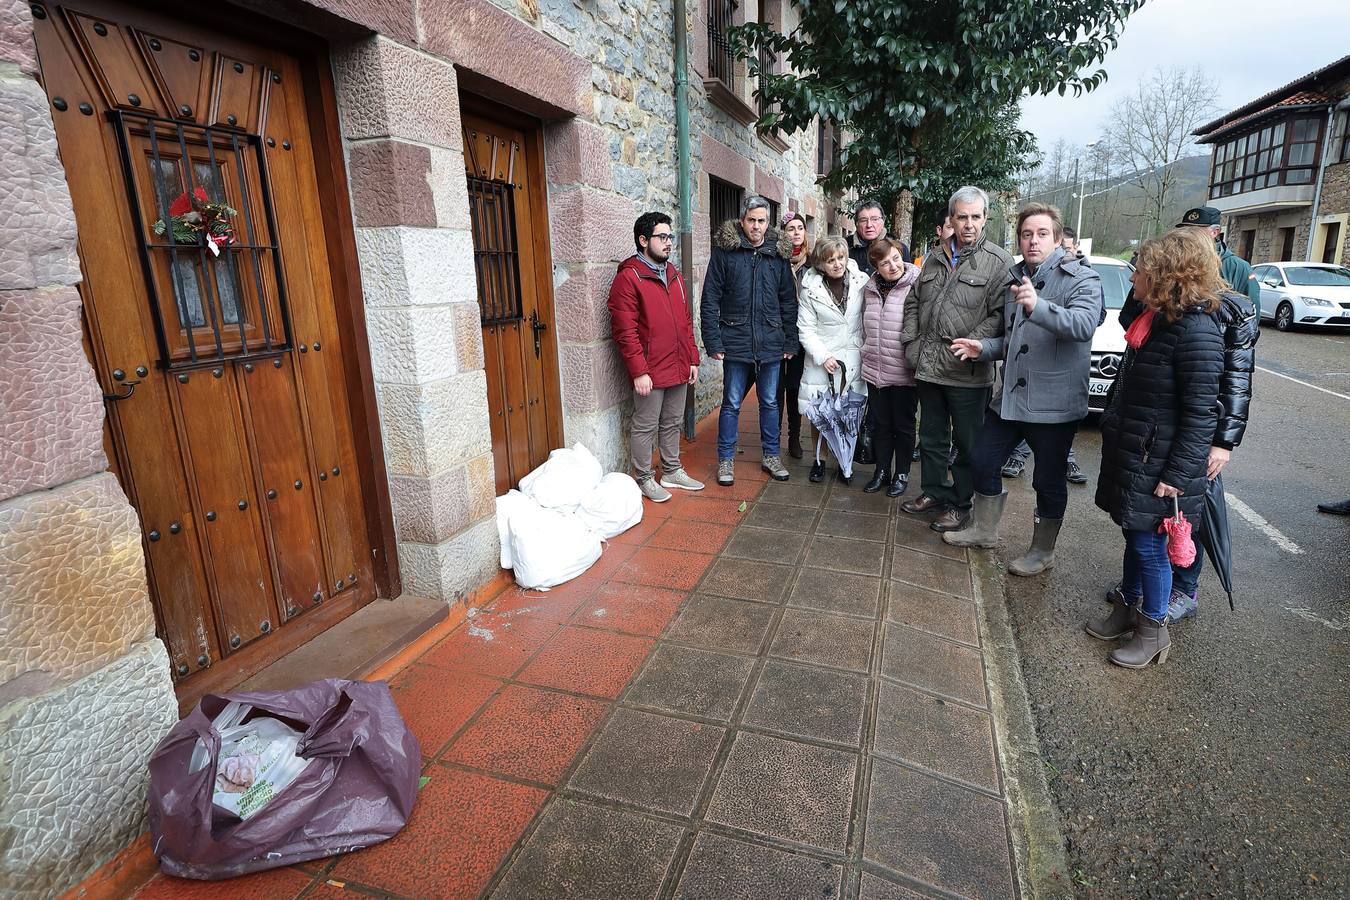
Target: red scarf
column 1139, row 329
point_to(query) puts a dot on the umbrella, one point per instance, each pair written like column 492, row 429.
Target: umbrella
column 1215, row 536
column 837, row 413
column 1180, row 546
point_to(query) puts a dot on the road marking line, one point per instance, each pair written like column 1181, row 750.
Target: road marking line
column 1304, row 383
column 1262, row 525
column 1304, row 613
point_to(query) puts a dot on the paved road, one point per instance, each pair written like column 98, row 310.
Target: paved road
column 1226, row 771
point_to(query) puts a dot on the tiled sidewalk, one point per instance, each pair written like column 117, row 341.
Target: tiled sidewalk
column 782, row 701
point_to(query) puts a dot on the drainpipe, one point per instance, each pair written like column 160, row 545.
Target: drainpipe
column 685, row 175
column 1317, row 191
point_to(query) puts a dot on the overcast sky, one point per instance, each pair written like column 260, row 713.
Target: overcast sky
column 1249, row 46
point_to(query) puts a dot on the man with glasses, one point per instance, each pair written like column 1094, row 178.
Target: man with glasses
column 871, row 224
column 650, row 321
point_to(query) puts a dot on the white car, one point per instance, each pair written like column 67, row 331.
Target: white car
column 1304, row 293
column 1108, row 344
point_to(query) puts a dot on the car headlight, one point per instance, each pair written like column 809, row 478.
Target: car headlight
column 1316, row 301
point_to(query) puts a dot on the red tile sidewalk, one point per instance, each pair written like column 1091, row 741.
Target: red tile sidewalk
column 504, row 703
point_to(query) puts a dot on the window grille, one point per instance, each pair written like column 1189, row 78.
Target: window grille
column 206, row 308
column 496, row 257
column 724, row 202
column 721, row 56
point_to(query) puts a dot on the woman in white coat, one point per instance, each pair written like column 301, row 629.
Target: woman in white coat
column 829, row 327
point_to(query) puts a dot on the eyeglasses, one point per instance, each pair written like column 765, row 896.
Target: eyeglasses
column 870, row 220
column 667, row 237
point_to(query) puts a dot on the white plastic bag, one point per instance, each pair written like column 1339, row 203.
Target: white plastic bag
column 613, row 507
column 549, row 547
column 565, row 479
column 257, row 760
column 509, row 504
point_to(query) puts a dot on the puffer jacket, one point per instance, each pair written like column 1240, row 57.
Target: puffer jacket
column 826, row 332
column 649, row 319
column 1159, row 422
column 883, row 353
column 749, row 305
column 947, row 303
column 1241, row 329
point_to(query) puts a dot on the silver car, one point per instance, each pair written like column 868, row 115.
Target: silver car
column 1304, row 293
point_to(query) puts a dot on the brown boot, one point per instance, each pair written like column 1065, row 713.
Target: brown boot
column 920, row 504
column 952, row 519
column 1150, row 642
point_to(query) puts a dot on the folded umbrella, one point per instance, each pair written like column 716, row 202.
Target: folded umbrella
column 1180, row 545
column 1215, row 536
column 837, row 413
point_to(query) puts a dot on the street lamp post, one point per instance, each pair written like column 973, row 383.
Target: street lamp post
column 1078, row 229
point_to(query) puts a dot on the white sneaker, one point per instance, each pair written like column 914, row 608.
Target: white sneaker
column 653, row 491
column 680, row 479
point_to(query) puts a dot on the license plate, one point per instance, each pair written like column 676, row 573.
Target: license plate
column 1345, row 314
column 1098, row 388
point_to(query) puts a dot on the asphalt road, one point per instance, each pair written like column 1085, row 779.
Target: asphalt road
column 1225, row 771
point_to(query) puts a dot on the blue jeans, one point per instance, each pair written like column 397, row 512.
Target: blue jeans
column 1186, row 580
column 1147, row 572
column 736, row 380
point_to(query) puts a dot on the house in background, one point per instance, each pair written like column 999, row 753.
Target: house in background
column 1280, row 170
column 212, row 456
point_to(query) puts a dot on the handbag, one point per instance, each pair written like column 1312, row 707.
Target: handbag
column 863, row 454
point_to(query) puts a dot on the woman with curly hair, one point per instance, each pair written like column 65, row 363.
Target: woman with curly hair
column 1157, row 429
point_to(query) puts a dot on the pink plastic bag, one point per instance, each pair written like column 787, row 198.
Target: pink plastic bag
column 1180, row 544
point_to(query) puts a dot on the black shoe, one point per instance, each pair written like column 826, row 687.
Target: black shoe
column 1013, row 467
column 1074, row 475
column 817, row 472
column 898, row 486
column 879, row 479
column 795, row 445
column 846, row 479
column 915, row 455
column 1341, row 508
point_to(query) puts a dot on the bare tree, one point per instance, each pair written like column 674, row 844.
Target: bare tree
column 1150, row 130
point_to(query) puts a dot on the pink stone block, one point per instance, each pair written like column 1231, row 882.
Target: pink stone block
column 516, row 60
column 588, row 225
column 395, row 18
column 722, row 162
column 577, row 152
column 389, row 184
column 468, row 324
column 767, row 185
column 388, row 90
column 16, row 35
column 593, row 376
column 51, row 407
column 580, row 304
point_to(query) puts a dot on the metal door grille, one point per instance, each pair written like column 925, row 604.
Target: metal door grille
column 197, row 279
column 496, row 258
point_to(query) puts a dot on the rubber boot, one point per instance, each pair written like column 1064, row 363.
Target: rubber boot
column 1115, row 624
column 985, row 512
column 795, row 435
column 1150, row 642
column 1041, row 556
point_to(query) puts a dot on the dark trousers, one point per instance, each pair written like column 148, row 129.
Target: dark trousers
column 1050, row 445
column 895, row 408
column 949, row 415
column 789, row 387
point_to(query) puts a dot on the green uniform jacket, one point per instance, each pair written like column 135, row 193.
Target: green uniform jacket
column 1238, row 273
column 965, row 302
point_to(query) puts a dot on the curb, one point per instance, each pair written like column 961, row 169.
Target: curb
column 1038, row 841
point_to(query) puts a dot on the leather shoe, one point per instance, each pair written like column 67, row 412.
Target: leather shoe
column 879, row 479
column 898, row 486
column 952, row 519
column 817, row 472
column 1341, row 508
column 920, row 504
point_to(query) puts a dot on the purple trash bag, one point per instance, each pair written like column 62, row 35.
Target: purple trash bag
column 356, row 789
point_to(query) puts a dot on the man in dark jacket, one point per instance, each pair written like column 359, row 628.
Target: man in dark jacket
column 871, row 223
column 1234, row 269
column 650, row 319
column 749, row 321
column 960, row 294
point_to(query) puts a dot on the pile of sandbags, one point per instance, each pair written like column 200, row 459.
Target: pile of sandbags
column 552, row 529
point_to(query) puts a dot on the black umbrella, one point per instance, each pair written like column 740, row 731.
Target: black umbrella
column 1215, row 536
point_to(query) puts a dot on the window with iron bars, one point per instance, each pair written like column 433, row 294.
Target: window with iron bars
column 721, row 57
column 724, row 202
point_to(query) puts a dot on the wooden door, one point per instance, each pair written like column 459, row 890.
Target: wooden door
column 507, row 208
column 229, row 422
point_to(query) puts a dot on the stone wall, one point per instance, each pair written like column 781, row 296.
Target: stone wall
column 1336, row 202
column 85, row 692
column 1269, row 229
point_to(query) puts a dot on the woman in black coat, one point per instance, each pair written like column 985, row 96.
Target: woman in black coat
column 1157, row 431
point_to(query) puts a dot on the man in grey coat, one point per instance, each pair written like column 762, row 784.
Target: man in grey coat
column 1052, row 311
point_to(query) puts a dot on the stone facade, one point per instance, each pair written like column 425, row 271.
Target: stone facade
column 83, row 675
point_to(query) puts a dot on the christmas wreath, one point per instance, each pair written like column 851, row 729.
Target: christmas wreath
column 196, row 218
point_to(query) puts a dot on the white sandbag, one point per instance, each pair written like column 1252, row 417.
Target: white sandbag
column 549, row 547
column 507, row 505
column 613, row 507
column 565, row 478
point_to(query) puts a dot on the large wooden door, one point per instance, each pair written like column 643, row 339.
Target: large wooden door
column 507, row 208
column 229, row 422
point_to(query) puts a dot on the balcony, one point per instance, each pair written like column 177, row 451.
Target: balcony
column 1271, row 199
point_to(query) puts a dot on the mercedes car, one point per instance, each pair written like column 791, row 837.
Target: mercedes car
column 1108, row 344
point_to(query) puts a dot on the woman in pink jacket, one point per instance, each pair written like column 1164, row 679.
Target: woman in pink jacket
column 890, row 382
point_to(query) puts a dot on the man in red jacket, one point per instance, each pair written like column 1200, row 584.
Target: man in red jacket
column 649, row 314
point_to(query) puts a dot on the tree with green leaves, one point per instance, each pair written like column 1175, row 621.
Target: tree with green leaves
column 929, row 90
